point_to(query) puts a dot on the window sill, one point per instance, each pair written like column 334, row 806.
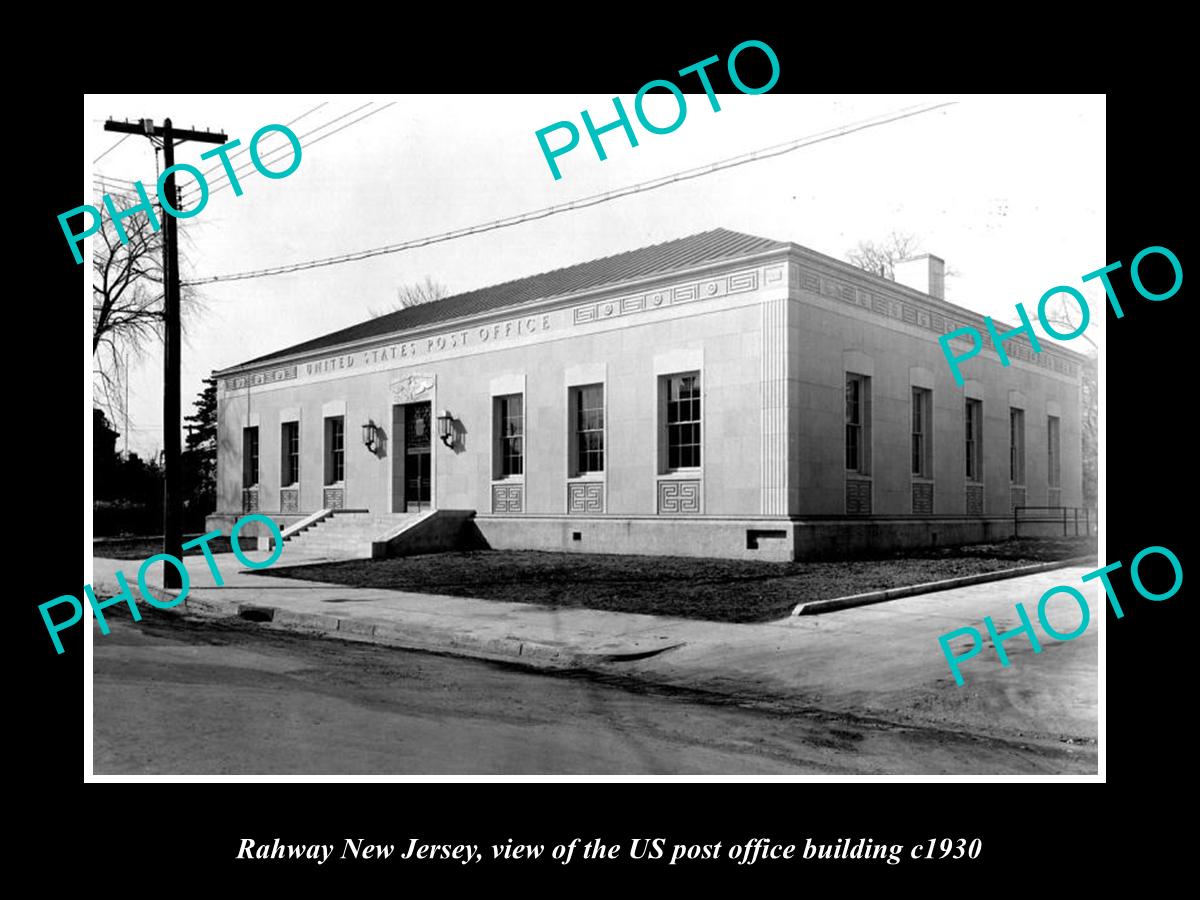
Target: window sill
column 850, row 473
column 922, row 479
column 682, row 473
column 335, row 484
column 509, row 479
column 587, row 476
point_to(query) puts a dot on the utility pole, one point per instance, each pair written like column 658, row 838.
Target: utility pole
column 127, row 405
column 172, row 497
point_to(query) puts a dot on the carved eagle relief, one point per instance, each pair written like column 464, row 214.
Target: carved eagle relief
column 411, row 387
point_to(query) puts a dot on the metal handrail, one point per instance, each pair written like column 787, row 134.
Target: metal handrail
column 1054, row 519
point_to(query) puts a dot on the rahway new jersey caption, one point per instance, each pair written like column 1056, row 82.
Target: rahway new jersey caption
column 356, row 848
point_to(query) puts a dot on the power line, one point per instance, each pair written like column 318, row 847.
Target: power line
column 217, row 181
column 115, row 185
column 269, row 157
column 595, row 199
column 130, row 199
column 292, row 122
column 278, row 152
column 122, row 182
column 192, row 192
column 106, row 184
column 129, row 194
column 121, row 193
column 111, row 149
column 275, row 133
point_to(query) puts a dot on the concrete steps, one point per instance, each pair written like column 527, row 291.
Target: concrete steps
column 342, row 535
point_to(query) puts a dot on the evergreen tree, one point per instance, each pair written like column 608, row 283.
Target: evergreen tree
column 105, row 460
column 200, row 458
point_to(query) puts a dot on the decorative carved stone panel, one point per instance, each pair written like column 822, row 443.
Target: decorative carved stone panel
column 721, row 286
column 411, row 387
column 912, row 313
column 679, row 498
column 585, row 497
column 334, row 498
column 507, row 498
column 922, row 498
column 289, row 500
column 858, row 496
column 250, row 500
column 974, row 499
column 254, row 379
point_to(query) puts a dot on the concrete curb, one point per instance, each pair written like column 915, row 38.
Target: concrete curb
column 816, row 607
column 536, row 654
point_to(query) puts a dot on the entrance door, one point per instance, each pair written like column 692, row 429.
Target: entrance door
column 417, row 421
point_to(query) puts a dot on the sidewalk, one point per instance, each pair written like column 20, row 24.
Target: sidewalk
column 880, row 662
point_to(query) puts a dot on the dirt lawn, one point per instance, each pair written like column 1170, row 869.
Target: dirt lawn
column 717, row 590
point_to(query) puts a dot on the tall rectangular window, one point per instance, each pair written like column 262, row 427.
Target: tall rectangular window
column 974, row 439
column 249, row 457
column 858, row 423
column 290, row 445
column 1016, row 445
column 335, row 450
column 510, row 435
column 922, row 417
column 1054, row 469
column 588, row 414
column 683, row 421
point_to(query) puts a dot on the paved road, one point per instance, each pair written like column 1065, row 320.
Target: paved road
column 179, row 696
column 882, row 661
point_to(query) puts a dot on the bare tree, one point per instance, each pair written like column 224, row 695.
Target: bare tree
column 413, row 295
column 1062, row 313
column 881, row 258
column 127, row 303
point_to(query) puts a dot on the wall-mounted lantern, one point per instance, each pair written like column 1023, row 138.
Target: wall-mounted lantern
column 446, row 427
column 370, row 435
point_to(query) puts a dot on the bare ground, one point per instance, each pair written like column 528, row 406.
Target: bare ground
column 716, row 590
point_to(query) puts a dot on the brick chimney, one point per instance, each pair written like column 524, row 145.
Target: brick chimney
column 925, row 273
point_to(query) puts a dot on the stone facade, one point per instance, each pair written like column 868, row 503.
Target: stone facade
column 772, row 337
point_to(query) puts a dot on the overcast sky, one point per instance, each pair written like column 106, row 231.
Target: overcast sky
column 1010, row 191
